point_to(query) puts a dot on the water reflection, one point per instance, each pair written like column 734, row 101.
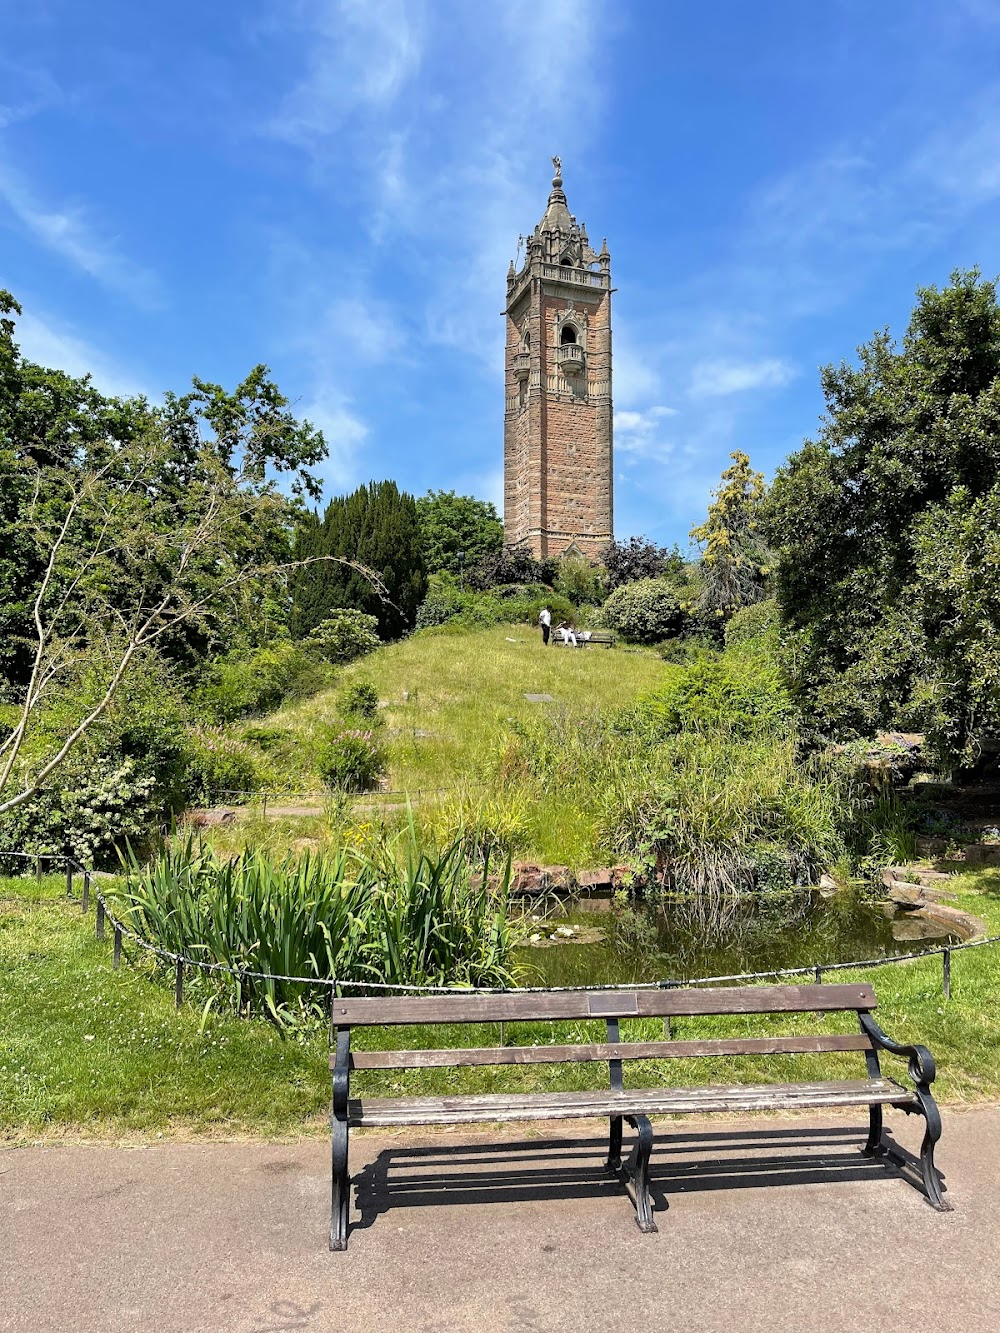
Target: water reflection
column 696, row 937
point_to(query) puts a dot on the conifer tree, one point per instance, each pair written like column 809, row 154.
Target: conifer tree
column 377, row 526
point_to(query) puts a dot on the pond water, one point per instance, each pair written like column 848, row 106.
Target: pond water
column 684, row 939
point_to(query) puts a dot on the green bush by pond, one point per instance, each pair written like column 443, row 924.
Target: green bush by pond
column 401, row 915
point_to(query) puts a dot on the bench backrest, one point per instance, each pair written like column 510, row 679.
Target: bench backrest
column 534, row 1006
column 611, row 1006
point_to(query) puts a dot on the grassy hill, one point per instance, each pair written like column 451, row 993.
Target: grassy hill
column 446, row 697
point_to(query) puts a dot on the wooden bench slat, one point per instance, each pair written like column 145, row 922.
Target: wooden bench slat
column 634, row 1050
column 485, row 1108
column 555, row 1005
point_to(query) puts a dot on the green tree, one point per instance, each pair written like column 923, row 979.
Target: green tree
column 883, row 526
column 735, row 558
column 639, row 558
column 375, row 535
column 457, row 531
column 136, row 532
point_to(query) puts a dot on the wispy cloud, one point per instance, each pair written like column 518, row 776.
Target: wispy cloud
column 69, row 233
column 55, row 345
column 442, row 163
column 639, row 435
column 718, row 379
column 359, row 56
column 343, row 429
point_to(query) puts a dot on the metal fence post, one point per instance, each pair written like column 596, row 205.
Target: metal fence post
column 85, row 900
column 69, row 879
column 946, row 973
column 100, row 918
column 116, row 957
column 38, row 870
column 179, row 985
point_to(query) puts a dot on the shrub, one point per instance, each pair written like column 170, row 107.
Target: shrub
column 503, row 604
column 344, row 636
column 511, row 565
column 219, row 765
column 242, row 683
column 645, row 611
column 359, row 699
column 737, row 698
column 752, row 623
column 350, row 760
column 639, row 558
column 561, row 609
column 579, row 581
column 715, row 817
column 97, row 806
column 442, row 603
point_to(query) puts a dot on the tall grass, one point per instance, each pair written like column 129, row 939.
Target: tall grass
column 399, row 914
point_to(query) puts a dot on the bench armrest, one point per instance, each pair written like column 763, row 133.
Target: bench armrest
column 922, row 1068
column 342, row 1074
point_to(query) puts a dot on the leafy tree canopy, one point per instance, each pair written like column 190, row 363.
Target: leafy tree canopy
column 639, row 558
column 130, row 536
column 885, row 526
column 457, row 531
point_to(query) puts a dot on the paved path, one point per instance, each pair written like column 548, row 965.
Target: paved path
column 778, row 1225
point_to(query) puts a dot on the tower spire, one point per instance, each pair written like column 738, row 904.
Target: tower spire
column 556, row 216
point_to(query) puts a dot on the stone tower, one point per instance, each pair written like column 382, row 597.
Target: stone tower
column 557, row 424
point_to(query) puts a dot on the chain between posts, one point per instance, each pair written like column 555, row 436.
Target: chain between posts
column 182, row 961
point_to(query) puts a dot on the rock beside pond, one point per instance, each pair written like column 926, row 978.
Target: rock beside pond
column 919, row 928
column 526, row 877
column 606, row 877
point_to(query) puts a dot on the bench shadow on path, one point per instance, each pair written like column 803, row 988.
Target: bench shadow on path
column 539, row 1169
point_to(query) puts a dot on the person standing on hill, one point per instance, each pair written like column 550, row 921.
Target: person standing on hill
column 545, row 620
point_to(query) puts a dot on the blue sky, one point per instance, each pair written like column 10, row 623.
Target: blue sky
column 335, row 187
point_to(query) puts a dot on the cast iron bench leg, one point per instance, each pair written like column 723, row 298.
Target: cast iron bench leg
column 932, row 1132
column 341, row 1203
column 638, row 1168
column 874, row 1144
column 614, row 1162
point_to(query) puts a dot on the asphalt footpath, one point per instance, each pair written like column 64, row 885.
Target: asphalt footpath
column 776, row 1224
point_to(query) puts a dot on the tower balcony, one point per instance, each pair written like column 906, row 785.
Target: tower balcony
column 522, row 365
column 569, row 358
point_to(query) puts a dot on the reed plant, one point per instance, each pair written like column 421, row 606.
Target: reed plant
column 398, row 913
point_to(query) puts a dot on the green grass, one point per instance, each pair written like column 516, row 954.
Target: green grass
column 87, row 1051
column 447, row 697
column 448, row 692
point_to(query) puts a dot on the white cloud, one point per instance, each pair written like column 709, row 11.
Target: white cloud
column 440, row 159
column 344, row 431
column 718, row 378
column 638, row 434
column 359, row 54
column 68, row 232
column 59, row 348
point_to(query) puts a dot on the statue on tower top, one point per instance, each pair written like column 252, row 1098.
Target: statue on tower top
column 557, row 165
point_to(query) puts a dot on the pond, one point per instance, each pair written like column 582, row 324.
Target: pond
column 684, row 938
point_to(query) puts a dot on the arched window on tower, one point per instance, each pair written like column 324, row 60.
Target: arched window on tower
column 567, row 261
column 568, row 334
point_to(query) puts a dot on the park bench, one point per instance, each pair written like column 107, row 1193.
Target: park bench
column 617, row 1101
column 602, row 636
